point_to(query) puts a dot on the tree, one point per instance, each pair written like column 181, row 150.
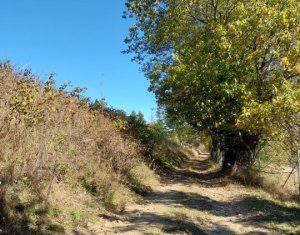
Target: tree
column 137, row 127
column 229, row 67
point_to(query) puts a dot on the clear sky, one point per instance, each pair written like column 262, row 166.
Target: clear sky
column 81, row 41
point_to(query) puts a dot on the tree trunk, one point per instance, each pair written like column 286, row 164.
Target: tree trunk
column 231, row 148
column 216, row 152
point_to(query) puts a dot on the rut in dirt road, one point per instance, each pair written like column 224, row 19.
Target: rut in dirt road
column 197, row 200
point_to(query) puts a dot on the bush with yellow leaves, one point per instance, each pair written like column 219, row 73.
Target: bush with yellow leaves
column 50, row 137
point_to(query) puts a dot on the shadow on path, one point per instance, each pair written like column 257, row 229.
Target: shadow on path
column 247, row 210
column 193, row 170
column 142, row 221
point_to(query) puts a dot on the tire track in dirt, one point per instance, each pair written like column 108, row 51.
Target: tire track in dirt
column 193, row 200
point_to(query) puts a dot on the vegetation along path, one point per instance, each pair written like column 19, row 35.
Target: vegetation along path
column 195, row 199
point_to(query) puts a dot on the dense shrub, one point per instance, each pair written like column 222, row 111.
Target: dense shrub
column 49, row 136
column 155, row 139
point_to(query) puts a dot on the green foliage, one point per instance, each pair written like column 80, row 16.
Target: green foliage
column 76, row 215
column 142, row 179
column 157, row 142
column 137, row 127
column 228, row 67
column 55, row 211
column 170, row 156
column 99, row 105
column 184, row 133
column 117, row 197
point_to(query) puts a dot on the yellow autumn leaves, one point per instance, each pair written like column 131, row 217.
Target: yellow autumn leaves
column 267, row 117
column 32, row 103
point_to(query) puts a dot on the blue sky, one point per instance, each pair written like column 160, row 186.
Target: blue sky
column 81, row 41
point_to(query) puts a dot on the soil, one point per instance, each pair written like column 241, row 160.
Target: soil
column 196, row 199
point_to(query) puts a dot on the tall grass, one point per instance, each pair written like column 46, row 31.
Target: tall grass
column 49, row 136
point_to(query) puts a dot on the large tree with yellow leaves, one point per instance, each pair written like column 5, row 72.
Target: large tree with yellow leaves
column 231, row 67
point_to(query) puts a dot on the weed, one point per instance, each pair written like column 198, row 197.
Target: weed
column 142, row 179
column 117, row 197
column 76, row 215
column 55, row 212
column 52, row 144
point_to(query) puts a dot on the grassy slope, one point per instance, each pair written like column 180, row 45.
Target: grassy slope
column 60, row 162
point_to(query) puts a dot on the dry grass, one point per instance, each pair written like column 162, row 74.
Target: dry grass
column 50, row 137
column 169, row 154
column 272, row 180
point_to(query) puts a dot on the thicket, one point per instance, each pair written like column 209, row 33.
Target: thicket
column 157, row 142
column 60, row 160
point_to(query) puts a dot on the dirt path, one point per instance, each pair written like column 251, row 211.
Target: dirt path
column 195, row 200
